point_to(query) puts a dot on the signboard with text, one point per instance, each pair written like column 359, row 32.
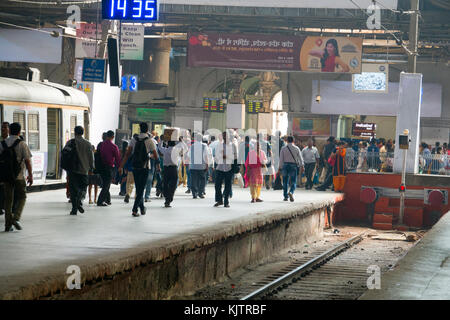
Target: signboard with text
column 94, row 70
column 311, row 127
column 253, row 104
column 275, row 52
column 364, row 130
column 213, row 104
column 84, row 48
column 132, row 42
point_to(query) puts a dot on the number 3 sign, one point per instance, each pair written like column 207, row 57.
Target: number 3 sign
column 130, row 83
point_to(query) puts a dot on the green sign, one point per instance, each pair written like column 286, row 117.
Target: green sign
column 152, row 114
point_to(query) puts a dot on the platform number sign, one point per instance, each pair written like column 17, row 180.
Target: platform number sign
column 130, row 83
column 131, row 10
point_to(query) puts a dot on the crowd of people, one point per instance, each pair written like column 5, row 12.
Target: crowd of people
column 194, row 160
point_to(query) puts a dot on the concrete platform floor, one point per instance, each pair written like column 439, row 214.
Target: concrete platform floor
column 424, row 272
column 51, row 239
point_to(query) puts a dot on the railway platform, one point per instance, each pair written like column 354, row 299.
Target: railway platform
column 423, row 273
column 168, row 252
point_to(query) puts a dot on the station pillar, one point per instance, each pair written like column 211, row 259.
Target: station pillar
column 408, row 117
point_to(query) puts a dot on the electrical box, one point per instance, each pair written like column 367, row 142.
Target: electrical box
column 403, row 141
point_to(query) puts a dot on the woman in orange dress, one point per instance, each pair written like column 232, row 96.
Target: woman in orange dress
column 255, row 163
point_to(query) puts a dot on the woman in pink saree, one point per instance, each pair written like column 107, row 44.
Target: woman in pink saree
column 255, row 163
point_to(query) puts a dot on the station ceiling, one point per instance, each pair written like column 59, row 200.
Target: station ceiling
column 434, row 23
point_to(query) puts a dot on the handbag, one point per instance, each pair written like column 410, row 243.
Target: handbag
column 240, row 180
column 297, row 162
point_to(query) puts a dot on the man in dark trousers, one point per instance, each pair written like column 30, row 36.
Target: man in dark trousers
column 328, row 150
column 15, row 190
column 140, row 147
column 110, row 156
column 226, row 153
column 171, row 155
column 4, row 135
column 198, row 156
column 78, row 177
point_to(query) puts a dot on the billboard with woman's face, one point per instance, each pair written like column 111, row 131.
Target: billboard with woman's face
column 331, row 54
column 274, row 52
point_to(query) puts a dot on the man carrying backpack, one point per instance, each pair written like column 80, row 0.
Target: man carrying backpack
column 110, row 156
column 140, row 147
column 14, row 156
column 4, row 135
column 80, row 152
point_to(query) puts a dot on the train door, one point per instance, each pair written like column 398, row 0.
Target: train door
column 1, row 113
column 54, row 142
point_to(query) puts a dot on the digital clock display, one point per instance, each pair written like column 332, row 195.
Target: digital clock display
column 140, row 10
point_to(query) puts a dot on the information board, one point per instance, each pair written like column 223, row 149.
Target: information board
column 213, row 105
column 364, row 130
column 94, row 70
column 254, row 104
column 131, row 10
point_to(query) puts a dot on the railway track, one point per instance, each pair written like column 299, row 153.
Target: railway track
column 339, row 273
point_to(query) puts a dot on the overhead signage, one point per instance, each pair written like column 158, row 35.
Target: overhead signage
column 364, row 130
column 94, row 70
column 85, row 48
column 130, row 83
column 311, row 127
column 254, row 104
column 328, row 4
column 131, row 10
column 132, row 42
column 275, row 52
column 213, row 105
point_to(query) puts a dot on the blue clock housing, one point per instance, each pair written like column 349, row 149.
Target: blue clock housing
column 130, row 10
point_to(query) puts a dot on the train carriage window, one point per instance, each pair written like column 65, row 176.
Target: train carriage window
column 73, row 124
column 19, row 116
column 33, row 131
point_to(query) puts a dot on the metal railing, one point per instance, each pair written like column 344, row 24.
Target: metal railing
column 364, row 161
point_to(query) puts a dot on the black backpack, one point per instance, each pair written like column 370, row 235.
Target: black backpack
column 98, row 162
column 9, row 166
column 69, row 156
column 140, row 154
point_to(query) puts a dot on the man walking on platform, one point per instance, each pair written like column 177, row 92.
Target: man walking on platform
column 4, row 135
column 311, row 158
column 171, row 158
column 110, row 156
column 198, row 159
column 140, row 147
column 226, row 154
column 330, row 148
column 15, row 156
column 78, row 175
column 291, row 161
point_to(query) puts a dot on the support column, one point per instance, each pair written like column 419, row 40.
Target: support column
column 408, row 117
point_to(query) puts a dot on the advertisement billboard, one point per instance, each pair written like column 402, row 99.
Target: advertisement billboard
column 275, row 52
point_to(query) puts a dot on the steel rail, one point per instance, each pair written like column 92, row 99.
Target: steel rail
column 303, row 270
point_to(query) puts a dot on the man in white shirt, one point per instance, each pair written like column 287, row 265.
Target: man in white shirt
column 226, row 153
column 291, row 161
column 198, row 164
column 311, row 158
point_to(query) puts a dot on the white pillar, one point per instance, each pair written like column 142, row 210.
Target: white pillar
column 408, row 117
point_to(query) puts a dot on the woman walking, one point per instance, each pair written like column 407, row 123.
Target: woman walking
column 254, row 165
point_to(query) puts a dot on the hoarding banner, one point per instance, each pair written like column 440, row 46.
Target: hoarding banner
column 30, row 46
column 311, row 127
column 86, row 48
column 275, row 52
column 132, row 42
column 330, row 4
